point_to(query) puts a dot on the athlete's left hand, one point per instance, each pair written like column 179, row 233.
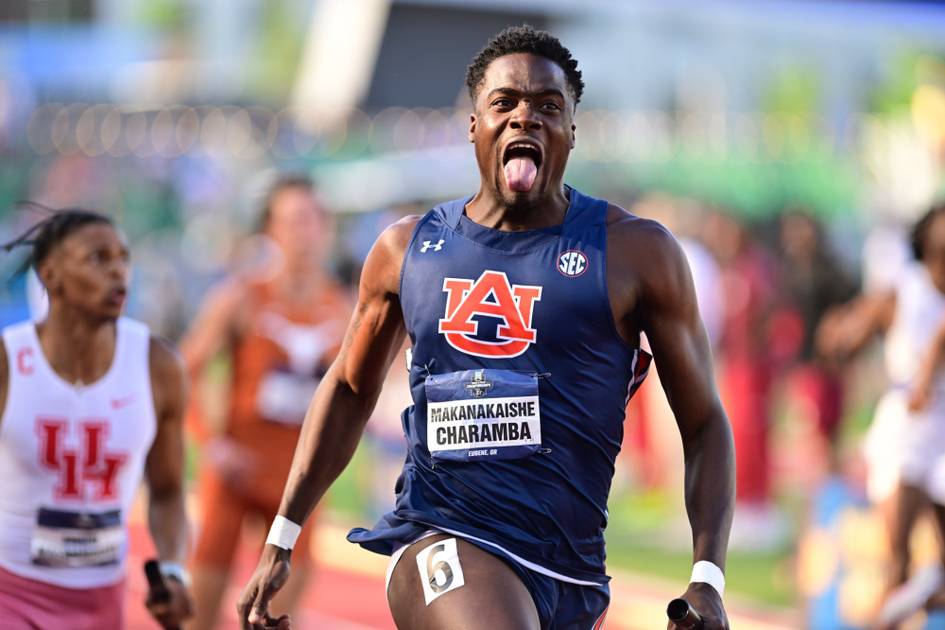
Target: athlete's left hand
column 705, row 599
column 171, row 612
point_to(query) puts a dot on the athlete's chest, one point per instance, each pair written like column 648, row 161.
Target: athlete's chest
column 495, row 303
column 79, row 452
column 80, row 439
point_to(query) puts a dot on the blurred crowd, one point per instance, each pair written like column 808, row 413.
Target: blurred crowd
column 788, row 209
column 765, row 286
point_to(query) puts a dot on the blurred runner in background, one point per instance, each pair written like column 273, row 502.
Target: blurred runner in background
column 906, row 441
column 280, row 323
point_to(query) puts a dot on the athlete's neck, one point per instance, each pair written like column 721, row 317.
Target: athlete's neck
column 79, row 349
column 492, row 211
column 300, row 281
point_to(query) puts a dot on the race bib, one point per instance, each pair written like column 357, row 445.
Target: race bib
column 284, row 397
column 77, row 539
column 482, row 414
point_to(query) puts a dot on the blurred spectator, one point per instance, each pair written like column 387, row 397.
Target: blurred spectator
column 650, row 436
column 281, row 321
column 815, row 282
column 747, row 361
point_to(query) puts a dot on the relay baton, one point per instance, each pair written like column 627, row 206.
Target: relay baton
column 159, row 592
column 683, row 615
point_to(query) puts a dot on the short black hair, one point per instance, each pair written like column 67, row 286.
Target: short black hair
column 283, row 182
column 43, row 237
column 920, row 230
column 524, row 39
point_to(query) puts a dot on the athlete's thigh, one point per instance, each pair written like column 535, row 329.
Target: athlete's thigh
column 491, row 596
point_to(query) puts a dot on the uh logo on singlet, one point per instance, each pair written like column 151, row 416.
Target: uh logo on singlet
column 88, row 467
column 484, row 414
column 65, row 538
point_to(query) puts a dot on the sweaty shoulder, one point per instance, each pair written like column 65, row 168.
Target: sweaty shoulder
column 645, row 264
column 383, row 265
column 640, row 242
column 168, row 376
column 626, row 228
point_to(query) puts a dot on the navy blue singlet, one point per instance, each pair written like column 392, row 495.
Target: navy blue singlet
column 519, row 381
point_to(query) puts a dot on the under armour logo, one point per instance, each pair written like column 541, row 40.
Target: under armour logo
column 428, row 244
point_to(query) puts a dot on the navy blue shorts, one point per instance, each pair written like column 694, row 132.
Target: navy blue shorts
column 563, row 605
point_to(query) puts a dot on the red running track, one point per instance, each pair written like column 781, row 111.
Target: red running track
column 347, row 593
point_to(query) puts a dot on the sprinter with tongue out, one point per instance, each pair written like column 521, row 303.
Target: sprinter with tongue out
column 524, row 304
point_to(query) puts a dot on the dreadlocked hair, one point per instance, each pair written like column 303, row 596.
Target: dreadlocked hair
column 920, row 230
column 524, row 39
column 45, row 235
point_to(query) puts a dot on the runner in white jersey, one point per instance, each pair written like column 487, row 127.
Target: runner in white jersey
column 91, row 402
column 905, row 446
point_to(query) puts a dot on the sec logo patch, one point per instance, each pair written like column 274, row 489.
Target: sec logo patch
column 572, row 263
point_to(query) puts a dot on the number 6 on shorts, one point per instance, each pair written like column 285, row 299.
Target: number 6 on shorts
column 440, row 571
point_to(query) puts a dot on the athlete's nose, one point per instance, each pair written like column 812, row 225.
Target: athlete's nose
column 525, row 117
column 120, row 270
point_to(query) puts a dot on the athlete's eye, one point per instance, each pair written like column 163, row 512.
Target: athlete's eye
column 550, row 106
column 502, row 103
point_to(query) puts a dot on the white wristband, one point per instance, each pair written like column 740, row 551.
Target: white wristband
column 283, row 533
column 705, row 571
column 177, row 571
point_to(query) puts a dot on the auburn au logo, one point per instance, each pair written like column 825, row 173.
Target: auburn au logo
column 491, row 295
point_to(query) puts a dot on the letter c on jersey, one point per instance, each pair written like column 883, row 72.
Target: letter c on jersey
column 491, row 295
column 24, row 361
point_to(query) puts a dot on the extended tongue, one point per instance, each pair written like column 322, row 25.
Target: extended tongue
column 520, row 173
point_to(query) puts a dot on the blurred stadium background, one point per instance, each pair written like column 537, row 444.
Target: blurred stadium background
column 775, row 136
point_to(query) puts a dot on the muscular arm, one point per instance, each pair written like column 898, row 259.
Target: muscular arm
column 347, row 395
column 338, row 412
column 164, row 470
column 652, row 288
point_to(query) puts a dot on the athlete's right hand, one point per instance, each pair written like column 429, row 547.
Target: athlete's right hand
column 270, row 575
column 705, row 599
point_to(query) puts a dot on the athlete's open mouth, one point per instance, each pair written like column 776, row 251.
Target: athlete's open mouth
column 117, row 295
column 521, row 161
column 522, row 150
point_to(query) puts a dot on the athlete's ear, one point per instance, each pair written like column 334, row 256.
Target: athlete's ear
column 48, row 276
column 573, row 135
column 472, row 128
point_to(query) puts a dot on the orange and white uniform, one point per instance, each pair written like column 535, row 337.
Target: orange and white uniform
column 276, row 365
